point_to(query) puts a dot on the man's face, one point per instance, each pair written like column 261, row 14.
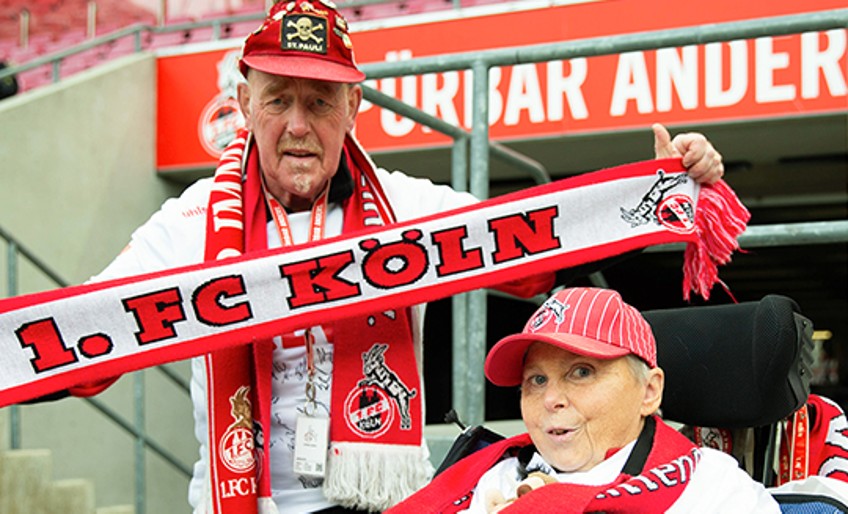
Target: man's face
column 299, row 126
column 578, row 408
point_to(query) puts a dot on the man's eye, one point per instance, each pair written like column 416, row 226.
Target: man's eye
column 275, row 103
column 322, row 105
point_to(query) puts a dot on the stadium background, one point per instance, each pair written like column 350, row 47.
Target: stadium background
column 89, row 158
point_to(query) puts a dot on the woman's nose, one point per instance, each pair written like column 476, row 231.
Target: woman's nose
column 556, row 397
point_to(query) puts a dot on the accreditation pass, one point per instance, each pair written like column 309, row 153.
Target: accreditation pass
column 310, row 445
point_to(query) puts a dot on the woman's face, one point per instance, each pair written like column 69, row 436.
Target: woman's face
column 578, row 408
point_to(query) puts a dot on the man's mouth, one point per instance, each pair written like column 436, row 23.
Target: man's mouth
column 299, row 153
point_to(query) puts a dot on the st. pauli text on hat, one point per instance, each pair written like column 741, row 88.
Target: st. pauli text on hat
column 304, row 40
column 331, row 414
column 586, row 363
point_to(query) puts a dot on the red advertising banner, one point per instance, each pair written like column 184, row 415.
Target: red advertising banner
column 800, row 74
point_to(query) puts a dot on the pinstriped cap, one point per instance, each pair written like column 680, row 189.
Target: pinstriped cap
column 583, row 320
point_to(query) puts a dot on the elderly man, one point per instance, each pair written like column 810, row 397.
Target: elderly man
column 304, row 423
column 586, row 363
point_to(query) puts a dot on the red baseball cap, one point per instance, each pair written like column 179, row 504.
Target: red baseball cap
column 304, row 39
column 583, row 320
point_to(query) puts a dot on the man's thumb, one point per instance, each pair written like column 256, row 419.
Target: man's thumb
column 662, row 142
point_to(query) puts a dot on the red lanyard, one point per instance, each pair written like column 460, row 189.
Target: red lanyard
column 795, row 451
column 317, row 222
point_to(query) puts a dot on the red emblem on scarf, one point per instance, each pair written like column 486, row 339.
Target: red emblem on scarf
column 677, row 214
column 237, row 444
column 368, row 411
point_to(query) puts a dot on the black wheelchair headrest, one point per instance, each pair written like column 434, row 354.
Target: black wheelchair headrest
column 733, row 366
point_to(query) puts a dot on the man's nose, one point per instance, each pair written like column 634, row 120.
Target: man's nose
column 298, row 121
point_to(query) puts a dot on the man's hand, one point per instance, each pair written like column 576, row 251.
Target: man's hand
column 702, row 161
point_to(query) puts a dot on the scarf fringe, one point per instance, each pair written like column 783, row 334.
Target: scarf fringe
column 265, row 505
column 374, row 477
column 720, row 218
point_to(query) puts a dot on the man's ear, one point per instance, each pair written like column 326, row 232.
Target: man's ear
column 244, row 103
column 354, row 100
column 653, row 391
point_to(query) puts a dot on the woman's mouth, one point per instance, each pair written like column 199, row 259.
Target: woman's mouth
column 560, row 433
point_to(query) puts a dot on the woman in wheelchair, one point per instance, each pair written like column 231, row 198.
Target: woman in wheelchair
column 586, row 363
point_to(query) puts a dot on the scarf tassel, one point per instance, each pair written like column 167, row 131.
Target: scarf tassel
column 719, row 220
column 374, row 477
column 265, row 505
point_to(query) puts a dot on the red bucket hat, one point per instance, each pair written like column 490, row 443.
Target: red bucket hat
column 304, row 39
column 583, row 320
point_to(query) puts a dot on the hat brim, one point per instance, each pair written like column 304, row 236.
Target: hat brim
column 305, row 67
column 505, row 362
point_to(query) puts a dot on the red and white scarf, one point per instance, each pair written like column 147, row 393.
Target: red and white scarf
column 667, row 472
column 59, row 339
column 374, row 462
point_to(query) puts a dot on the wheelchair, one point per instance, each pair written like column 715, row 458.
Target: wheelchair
column 737, row 376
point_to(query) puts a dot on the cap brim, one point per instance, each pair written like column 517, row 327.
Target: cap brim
column 505, row 362
column 303, row 67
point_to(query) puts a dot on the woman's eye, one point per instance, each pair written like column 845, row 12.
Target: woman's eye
column 580, row 372
column 537, row 380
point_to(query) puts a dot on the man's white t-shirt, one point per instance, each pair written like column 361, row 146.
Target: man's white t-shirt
column 175, row 235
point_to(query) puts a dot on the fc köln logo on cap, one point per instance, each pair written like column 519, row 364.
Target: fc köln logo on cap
column 551, row 310
column 304, row 33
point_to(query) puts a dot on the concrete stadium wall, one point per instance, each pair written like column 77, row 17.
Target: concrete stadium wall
column 78, row 165
column 77, row 177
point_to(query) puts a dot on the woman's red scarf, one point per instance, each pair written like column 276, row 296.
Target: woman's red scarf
column 667, row 472
column 375, row 457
